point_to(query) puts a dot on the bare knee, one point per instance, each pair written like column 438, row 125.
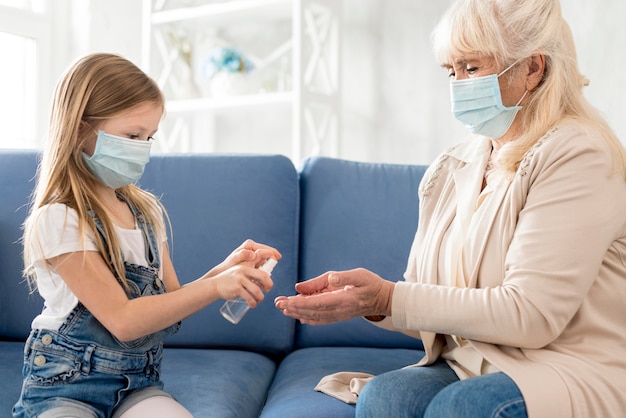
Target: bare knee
column 157, row 406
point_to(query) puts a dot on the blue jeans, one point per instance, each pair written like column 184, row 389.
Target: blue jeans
column 435, row 391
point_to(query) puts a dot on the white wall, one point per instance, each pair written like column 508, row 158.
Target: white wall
column 80, row 27
column 395, row 96
column 599, row 29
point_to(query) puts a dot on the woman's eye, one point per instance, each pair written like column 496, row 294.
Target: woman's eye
column 131, row 136
column 471, row 70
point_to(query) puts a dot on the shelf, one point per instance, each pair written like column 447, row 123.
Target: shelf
column 306, row 61
column 227, row 12
column 229, row 103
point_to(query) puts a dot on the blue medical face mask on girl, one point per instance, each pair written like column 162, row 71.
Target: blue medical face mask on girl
column 118, row 161
column 477, row 104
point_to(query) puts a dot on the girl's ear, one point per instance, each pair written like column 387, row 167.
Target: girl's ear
column 85, row 131
column 83, row 128
column 536, row 69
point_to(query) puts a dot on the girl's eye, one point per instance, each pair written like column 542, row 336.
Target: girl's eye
column 139, row 138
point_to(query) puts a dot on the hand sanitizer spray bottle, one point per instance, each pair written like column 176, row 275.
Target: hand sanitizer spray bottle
column 235, row 309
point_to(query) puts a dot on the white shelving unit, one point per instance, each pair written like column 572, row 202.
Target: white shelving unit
column 297, row 78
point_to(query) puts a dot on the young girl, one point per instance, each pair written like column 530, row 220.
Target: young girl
column 95, row 247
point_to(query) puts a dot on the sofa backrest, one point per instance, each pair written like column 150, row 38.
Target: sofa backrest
column 18, row 306
column 214, row 202
column 340, row 215
column 356, row 214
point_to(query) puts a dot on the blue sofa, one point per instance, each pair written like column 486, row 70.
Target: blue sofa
column 330, row 214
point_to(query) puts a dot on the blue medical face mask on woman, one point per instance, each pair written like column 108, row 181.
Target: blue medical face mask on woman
column 118, row 161
column 477, row 104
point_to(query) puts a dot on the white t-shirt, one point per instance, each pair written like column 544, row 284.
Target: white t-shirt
column 56, row 233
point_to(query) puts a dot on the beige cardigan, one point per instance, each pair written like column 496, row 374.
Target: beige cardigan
column 546, row 301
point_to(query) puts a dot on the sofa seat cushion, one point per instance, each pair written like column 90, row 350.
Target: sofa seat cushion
column 11, row 362
column 218, row 383
column 209, row 383
column 292, row 392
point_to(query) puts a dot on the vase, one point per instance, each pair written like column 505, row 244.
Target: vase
column 224, row 84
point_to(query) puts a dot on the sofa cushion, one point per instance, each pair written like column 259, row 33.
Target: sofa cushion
column 292, row 392
column 11, row 361
column 209, row 383
column 356, row 214
column 215, row 202
column 17, row 306
column 218, row 383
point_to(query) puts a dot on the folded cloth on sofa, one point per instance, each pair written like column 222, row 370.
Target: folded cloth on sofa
column 344, row 386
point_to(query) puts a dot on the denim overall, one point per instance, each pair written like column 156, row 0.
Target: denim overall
column 82, row 369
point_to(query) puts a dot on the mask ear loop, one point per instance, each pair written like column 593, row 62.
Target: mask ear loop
column 509, row 67
column 521, row 98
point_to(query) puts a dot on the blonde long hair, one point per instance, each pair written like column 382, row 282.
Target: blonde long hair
column 96, row 88
column 511, row 30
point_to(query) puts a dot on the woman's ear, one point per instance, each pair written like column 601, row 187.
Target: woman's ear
column 536, row 69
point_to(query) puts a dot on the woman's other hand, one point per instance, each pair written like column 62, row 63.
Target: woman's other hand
column 338, row 296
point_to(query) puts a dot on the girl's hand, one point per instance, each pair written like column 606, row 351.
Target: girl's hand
column 249, row 253
column 245, row 281
column 238, row 274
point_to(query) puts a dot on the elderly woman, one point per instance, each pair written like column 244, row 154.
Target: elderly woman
column 516, row 279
